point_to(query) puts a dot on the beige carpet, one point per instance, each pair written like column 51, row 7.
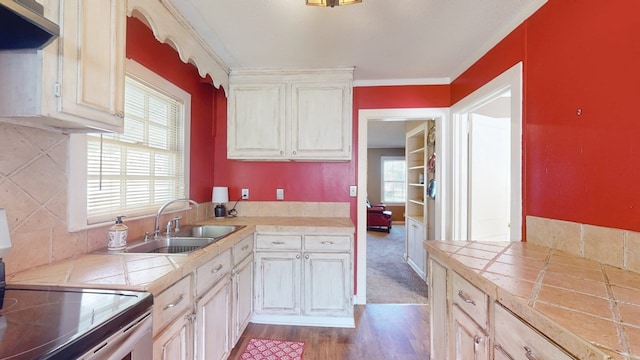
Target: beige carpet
column 390, row 280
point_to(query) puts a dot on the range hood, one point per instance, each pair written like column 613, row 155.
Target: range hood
column 23, row 26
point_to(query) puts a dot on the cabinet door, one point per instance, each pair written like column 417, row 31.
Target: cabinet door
column 213, row 322
column 327, row 284
column 470, row 341
column 242, row 297
column 256, row 122
column 92, row 56
column 320, row 124
column 278, row 282
column 439, row 309
column 175, row 343
column 416, row 255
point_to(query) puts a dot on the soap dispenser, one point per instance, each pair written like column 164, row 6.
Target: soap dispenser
column 118, row 235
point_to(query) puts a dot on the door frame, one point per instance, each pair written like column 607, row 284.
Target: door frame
column 440, row 115
column 511, row 79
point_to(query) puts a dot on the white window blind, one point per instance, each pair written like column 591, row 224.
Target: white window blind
column 393, row 179
column 133, row 173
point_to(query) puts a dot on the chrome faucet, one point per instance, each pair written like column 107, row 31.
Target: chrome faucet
column 156, row 230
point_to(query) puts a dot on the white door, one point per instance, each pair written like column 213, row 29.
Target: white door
column 489, row 178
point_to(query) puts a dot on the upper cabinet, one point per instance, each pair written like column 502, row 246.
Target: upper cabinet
column 77, row 82
column 289, row 115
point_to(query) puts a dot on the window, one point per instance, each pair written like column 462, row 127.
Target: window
column 393, row 179
column 135, row 172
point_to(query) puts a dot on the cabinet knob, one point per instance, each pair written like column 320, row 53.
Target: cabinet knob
column 297, row 256
column 281, row 152
column 293, row 152
column 528, row 353
column 120, row 115
column 477, row 339
column 306, row 257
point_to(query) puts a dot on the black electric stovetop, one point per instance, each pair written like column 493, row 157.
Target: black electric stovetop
column 63, row 323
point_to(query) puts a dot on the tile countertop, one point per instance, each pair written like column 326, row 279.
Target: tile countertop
column 554, row 291
column 155, row 272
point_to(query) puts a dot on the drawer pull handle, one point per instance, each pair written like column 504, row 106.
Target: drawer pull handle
column 277, row 242
column 477, row 339
column 327, row 243
column 529, row 353
column 173, row 304
column 466, row 298
column 244, row 247
column 213, row 271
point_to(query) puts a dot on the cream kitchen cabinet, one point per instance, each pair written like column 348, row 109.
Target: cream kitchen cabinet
column 77, row 82
column 287, row 115
column 438, row 303
column 467, row 323
column 416, row 255
column 172, row 322
column 242, row 287
column 176, row 342
column 213, row 322
column 304, row 279
column 515, row 339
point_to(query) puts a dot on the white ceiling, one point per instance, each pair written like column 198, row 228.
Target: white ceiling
column 388, row 42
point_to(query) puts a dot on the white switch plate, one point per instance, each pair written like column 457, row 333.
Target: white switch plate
column 279, row 194
column 245, row 194
column 353, row 190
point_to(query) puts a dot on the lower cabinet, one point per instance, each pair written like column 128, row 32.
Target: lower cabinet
column 202, row 315
column 242, row 297
column 175, row 342
column 213, row 322
column 515, row 339
column 304, row 279
column 437, row 282
column 416, row 256
column 466, row 323
column 471, row 341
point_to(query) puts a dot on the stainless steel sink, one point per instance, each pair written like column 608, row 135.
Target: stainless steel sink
column 171, row 245
column 213, row 231
column 184, row 242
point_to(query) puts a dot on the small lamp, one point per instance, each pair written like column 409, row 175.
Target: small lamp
column 220, row 196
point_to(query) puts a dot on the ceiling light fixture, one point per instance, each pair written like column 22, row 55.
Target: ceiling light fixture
column 331, row 3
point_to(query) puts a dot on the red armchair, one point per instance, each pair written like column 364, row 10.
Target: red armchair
column 378, row 217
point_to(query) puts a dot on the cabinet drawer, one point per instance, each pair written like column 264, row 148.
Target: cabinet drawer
column 242, row 249
column 471, row 300
column 171, row 302
column 521, row 341
column 327, row 242
column 279, row 242
column 208, row 274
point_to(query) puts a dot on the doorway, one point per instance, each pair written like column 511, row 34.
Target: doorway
column 365, row 117
column 487, row 171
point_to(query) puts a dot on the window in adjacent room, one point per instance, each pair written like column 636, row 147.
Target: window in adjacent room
column 135, row 172
column 393, row 179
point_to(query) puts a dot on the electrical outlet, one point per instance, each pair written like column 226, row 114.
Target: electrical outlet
column 245, row 194
column 279, row 194
column 353, row 190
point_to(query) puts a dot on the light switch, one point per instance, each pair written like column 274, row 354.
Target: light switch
column 279, row 194
column 353, row 191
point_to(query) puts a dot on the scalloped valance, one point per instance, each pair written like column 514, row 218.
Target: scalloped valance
column 170, row 27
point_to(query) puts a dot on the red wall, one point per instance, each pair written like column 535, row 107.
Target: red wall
column 577, row 55
column 164, row 60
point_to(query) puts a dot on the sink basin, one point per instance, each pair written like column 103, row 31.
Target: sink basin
column 184, row 242
column 213, row 231
column 172, row 245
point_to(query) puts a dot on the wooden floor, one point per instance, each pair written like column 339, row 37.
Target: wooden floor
column 383, row 331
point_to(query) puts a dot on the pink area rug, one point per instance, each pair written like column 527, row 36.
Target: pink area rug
column 265, row 349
